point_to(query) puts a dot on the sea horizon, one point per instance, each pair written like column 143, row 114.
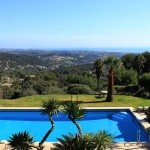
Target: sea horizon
column 99, row 49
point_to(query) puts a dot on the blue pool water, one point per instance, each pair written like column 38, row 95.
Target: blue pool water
column 121, row 124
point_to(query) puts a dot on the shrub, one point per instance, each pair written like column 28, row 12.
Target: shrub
column 21, row 141
column 126, row 89
column 98, row 141
column 142, row 93
column 6, row 92
column 16, row 94
column 144, row 81
column 79, row 89
column 119, row 89
column 125, row 77
column 53, row 90
column 131, row 88
column 28, row 92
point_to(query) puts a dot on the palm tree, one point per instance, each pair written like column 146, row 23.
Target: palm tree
column 72, row 142
column 50, row 108
column 110, row 93
column 98, row 65
column 139, row 63
column 111, row 62
column 74, row 112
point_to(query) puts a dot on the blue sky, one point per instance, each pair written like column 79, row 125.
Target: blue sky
column 74, row 23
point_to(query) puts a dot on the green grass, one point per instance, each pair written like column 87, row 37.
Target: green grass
column 86, row 101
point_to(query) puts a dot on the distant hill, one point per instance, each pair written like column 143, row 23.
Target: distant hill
column 9, row 60
column 51, row 60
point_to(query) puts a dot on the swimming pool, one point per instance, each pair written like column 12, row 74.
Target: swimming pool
column 120, row 123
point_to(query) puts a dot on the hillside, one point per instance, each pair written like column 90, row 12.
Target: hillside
column 10, row 61
column 51, row 60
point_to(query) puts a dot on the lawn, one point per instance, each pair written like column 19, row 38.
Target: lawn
column 85, row 100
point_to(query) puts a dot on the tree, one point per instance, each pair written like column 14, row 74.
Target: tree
column 128, row 60
column 111, row 62
column 144, row 81
column 98, row 65
column 139, row 64
column 146, row 68
column 125, row 76
column 50, row 108
column 74, row 112
column 110, row 93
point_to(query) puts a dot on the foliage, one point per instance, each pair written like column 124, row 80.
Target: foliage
column 139, row 64
column 97, row 141
column 119, row 89
column 28, row 92
column 6, row 92
column 79, row 89
column 84, row 78
column 54, row 90
column 130, row 89
column 124, row 76
column 21, row 141
column 16, row 94
column 29, row 73
column 144, row 81
column 73, row 109
column 128, row 60
column 13, row 60
column 50, row 108
column 72, row 142
column 98, row 65
column 41, row 87
column 74, row 112
column 112, row 62
column 146, row 68
column 148, row 114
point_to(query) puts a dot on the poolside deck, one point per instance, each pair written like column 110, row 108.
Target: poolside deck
column 116, row 146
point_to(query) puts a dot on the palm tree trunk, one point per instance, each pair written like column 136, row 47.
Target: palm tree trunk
column 77, row 125
column 98, row 84
column 48, row 132
column 109, row 97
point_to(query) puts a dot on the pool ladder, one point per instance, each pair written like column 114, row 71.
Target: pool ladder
column 138, row 136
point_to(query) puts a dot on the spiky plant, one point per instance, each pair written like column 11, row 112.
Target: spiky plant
column 50, row 108
column 74, row 112
column 101, row 140
column 21, row 141
column 72, row 142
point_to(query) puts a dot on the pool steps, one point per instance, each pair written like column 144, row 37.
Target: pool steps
column 122, row 117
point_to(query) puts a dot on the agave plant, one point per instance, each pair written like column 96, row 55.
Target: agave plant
column 102, row 140
column 50, row 108
column 74, row 112
column 72, row 142
column 21, row 141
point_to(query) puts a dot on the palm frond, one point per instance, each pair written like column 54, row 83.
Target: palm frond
column 51, row 107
